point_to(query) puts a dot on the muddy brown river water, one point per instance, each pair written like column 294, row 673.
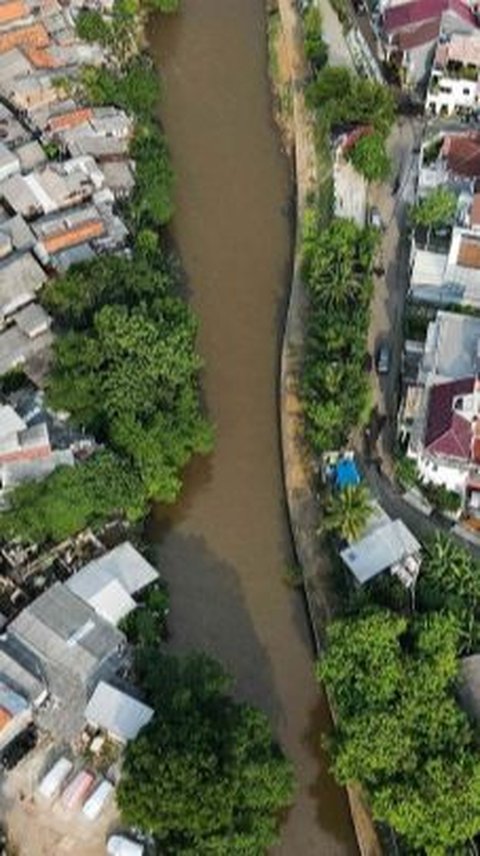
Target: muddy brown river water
column 225, row 546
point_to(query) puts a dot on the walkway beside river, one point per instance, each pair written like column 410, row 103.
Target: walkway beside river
column 298, row 464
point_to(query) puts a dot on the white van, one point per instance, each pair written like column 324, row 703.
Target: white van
column 96, row 801
column 53, row 781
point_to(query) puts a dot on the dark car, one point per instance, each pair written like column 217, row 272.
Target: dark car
column 19, row 747
column 383, row 358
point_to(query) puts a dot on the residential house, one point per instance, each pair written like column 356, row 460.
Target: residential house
column 350, row 188
column 21, row 277
column 444, row 260
column 52, row 188
column 386, row 545
column 109, row 583
column 73, row 647
column 454, row 80
column 410, row 30
column 22, row 692
column 440, row 412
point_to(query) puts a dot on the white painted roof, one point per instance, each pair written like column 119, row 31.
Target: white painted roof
column 112, row 602
column 107, row 583
column 118, row 713
column 10, row 421
column 380, row 549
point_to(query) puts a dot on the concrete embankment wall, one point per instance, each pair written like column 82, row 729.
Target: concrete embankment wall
column 298, row 463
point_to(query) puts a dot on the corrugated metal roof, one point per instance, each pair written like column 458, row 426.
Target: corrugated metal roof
column 387, row 545
column 118, row 713
column 125, row 568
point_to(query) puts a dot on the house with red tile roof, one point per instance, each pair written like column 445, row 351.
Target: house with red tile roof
column 443, row 430
column 454, row 85
column 410, row 32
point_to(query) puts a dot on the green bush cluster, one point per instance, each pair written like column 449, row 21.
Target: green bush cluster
column 316, row 49
column 339, row 97
column 146, row 625
column 449, row 582
column 336, row 389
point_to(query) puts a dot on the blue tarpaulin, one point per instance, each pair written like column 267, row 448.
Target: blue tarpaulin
column 345, row 473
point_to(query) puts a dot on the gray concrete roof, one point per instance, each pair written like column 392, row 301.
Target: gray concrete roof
column 451, row 347
column 20, row 277
column 15, row 672
column 65, row 632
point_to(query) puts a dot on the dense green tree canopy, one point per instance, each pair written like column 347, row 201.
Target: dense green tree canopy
column 205, row 776
column 370, row 158
column 131, row 377
column 71, row 499
column 400, row 732
column 343, row 97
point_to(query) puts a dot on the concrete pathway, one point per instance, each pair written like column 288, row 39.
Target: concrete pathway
column 339, row 53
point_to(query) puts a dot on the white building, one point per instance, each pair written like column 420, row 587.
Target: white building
column 454, row 81
column 440, row 412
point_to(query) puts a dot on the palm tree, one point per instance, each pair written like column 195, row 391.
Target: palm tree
column 347, row 512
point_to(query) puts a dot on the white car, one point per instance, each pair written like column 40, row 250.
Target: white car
column 119, row 845
column 375, row 218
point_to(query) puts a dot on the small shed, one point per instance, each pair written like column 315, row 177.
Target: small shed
column 389, row 546
column 117, row 713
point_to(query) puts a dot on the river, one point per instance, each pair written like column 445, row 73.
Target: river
column 225, row 546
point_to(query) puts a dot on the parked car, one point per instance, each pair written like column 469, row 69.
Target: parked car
column 19, row 747
column 383, row 358
column 375, row 218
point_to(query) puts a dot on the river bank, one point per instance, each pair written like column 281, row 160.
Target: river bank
column 298, row 464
